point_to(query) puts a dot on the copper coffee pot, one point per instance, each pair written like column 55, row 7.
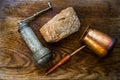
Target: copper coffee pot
column 100, row 43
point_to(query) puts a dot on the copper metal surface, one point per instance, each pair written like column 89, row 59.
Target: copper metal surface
column 99, row 42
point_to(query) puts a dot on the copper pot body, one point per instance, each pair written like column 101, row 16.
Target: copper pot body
column 99, row 42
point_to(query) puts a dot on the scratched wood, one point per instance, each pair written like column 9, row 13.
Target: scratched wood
column 16, row 60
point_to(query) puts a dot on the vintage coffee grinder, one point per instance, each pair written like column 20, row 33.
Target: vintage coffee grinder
column 41, row 54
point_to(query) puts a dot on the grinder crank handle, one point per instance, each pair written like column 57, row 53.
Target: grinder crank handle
column 37, row 13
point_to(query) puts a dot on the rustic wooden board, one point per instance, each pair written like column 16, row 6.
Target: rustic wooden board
column 16, row 59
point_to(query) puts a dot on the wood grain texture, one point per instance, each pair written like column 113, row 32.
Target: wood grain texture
column 16, row 60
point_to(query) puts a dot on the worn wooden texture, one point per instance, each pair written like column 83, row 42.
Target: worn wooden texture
column 16, row 59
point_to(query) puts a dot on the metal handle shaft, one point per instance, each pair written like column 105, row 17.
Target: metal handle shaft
column 36, row 14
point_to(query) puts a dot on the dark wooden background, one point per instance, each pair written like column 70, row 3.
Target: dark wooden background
column 16, row 60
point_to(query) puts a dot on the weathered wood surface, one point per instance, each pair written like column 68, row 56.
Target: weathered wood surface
column 16, row 59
